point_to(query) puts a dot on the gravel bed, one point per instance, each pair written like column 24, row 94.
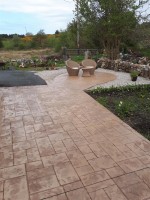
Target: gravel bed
column 121, row 80
column 50, row 75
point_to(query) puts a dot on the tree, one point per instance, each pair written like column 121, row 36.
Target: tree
column 68, row 37
column 115, row 20
column 57, row 32
column 29, row 34
column 143, row 35
column 40, row 39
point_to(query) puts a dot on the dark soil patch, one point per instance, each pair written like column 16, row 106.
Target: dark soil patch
column 130, row 103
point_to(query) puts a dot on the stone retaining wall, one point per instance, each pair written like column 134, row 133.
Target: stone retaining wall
column 125, row 66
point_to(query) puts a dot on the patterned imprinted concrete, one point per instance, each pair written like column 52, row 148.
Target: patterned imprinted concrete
column 57, row 143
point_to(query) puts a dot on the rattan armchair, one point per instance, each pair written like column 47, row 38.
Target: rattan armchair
column 89, row 63
column 72, row 67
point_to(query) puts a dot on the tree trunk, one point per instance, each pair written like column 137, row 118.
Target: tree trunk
column 112, row 48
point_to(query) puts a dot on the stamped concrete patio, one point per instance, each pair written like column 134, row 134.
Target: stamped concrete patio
column 57, row 143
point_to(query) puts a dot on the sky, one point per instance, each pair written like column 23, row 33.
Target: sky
column 22, row 16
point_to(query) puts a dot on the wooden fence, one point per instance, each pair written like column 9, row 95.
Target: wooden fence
column 72, row 52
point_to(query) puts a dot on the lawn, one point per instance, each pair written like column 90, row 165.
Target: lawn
column 130, row 103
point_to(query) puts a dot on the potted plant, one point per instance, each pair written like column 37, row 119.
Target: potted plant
column 134, row 75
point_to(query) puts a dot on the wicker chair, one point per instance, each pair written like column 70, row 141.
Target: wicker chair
column 72, row 67
column 89, row 63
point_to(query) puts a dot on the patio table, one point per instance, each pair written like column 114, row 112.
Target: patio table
column 87, row 71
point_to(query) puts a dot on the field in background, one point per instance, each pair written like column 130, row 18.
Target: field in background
column 6, row 55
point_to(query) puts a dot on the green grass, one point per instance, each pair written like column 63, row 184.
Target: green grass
column 78, row 58
column 145, row 52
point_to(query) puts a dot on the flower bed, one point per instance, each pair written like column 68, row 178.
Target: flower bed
column 130, row 103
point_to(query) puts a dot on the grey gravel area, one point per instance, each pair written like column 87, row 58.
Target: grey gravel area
column 121, row 80
column 50, row 75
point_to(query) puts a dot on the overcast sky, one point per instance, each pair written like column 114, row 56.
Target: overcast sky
column 21, row 16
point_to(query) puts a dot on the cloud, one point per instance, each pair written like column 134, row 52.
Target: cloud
column 36, row 6
column 46, row 14
column 50, row 15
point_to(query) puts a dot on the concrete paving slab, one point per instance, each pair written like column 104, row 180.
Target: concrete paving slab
column 56, row 143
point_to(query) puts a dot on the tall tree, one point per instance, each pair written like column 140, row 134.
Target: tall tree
column 114, row 19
